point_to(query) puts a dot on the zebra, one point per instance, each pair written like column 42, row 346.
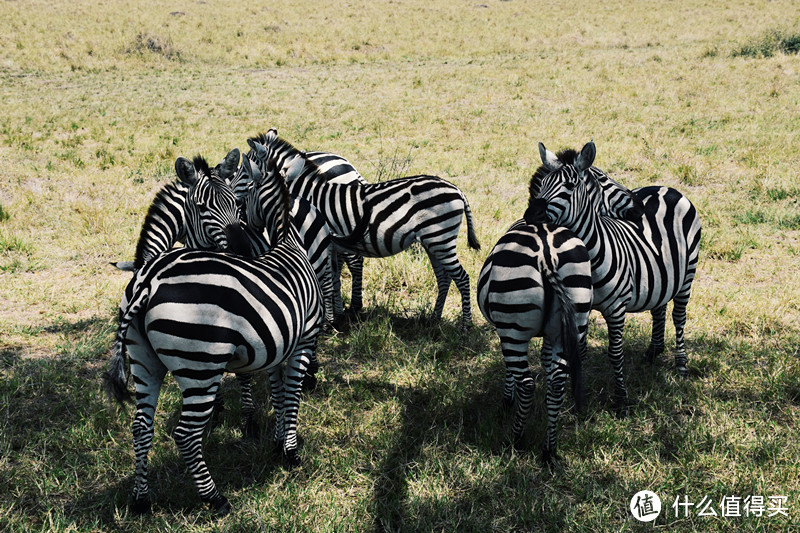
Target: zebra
column 199, row 314
column 537, row 282
column 382, row 219
column 637, row 264
column 335, row 169
column 199, row 209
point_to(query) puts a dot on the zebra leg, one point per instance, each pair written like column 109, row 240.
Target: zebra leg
column 679, row 319
column 148, row 374
column 656, row 347
column 293, row 378
column 525, row 388
column 277, row 396
column 355, row 263
column 515, row 356
column 336, row 282
column 250, row 428
column 310, row 379
column 443, row 285
column 616, row 326
column 198, row 404
column 556, row 373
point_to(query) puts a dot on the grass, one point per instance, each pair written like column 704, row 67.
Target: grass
column 406, row 431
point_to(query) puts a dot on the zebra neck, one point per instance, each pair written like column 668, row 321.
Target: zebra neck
column 164, row 224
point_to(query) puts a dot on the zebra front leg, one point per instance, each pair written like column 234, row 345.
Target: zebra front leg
column 656, row 347
column 616, row 326
column 250, row 429
column 336, row 284
column 198, row 404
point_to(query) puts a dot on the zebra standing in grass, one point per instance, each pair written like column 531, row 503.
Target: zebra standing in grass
column 199, row 210
column 382, row 219
column 637, row 264
column 537, row 282
column 334, row 169
column 199, row 314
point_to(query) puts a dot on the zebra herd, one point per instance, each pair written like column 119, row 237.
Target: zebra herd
column 258, row 279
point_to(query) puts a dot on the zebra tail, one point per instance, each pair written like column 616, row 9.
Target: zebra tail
column 569, row 335
column 115, row 379
column 472, row 239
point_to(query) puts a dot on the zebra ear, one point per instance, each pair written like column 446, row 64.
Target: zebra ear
column 549, row 159
column 272, row 135
column 186, row 171
column 292, row 170
column 259, row 149
column 586, row 157
column 229, row 165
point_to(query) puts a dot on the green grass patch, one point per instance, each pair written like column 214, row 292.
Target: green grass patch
column 769, row 43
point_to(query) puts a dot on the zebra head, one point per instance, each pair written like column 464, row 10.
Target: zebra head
column 267, row 201
column 562, row 195
column 212, row 216
column 613, row 199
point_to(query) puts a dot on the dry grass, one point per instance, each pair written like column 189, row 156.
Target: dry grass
column 406, row 432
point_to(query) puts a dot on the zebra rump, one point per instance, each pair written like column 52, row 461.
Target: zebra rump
column 536, row 282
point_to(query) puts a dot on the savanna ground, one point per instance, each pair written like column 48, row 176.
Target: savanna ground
column 405, row 432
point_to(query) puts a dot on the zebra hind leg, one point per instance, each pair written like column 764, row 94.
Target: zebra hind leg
column 679, row 319
column 355, row 263
column 656, row 347
column 198, row 405
column 293, row 378
column 525, row 389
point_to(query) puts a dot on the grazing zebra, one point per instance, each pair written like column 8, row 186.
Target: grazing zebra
column 199, row 210
column 637, row 264
column 334, row 169
column 200, row 314
column 382, row 219
column 537, row 282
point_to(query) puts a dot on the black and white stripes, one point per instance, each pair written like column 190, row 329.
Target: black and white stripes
column 200, row 314
column 638, row 264
column 537, row 282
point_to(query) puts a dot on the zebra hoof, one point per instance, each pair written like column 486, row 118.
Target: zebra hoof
column 141, row 505
column 220, row 506
column 293, row 458
column 651, row 353
column 550, row 457
column 309, row 383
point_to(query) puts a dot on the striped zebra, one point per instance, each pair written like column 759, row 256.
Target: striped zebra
column 335, row 169
column 537, row 282
column 637, row 264
column 199, row 210
column 382, row 219
column 200, row 314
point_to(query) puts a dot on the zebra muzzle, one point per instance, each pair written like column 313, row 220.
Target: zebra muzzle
column 238, row 242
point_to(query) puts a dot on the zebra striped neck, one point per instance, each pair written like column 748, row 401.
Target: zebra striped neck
column 164, row 224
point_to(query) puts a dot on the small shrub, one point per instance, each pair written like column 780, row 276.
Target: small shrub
column 156, row 44
column 770, row 43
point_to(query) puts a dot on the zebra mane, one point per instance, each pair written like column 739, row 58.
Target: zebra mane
column 201, row 165
column 277, row 143
column 163, row 202
column 566, row 156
